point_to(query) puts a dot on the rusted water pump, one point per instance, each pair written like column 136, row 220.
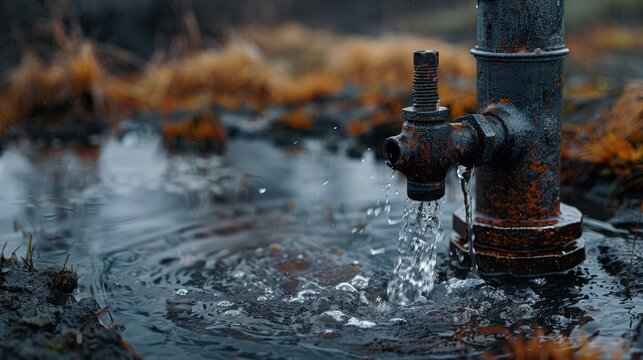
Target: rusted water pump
column 520, row 226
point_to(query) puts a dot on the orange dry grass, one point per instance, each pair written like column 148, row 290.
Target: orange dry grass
column 203, row 127
column 614, row 137
column 74, row 70
column 298, row 118
column 605, row 40
column 303, row 66
column 309, row 87
column 298, row 49
column 388, row 61
column 538, row 346
column 232, row 76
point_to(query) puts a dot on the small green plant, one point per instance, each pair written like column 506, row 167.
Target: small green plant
column 28, row 259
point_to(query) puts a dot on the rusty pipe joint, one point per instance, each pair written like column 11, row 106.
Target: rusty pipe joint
column 429, row 145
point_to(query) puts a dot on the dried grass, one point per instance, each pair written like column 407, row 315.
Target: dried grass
column 540, row 346
column 289, row 65
column 302, row 65
column 613, row 138
column 204, row 126
column 605, row 40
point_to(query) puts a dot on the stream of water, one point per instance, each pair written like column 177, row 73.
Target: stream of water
column 414, row 273
column 465, row 174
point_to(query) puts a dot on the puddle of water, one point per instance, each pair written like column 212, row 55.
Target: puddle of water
column 196, row 262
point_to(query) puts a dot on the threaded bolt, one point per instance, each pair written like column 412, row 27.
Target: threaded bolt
column 425, row 80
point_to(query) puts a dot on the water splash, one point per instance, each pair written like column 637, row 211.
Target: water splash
column 414, row 274
column 465, row 174
column 387, row 205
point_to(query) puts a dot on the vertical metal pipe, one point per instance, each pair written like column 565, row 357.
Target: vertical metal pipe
column 519, row 55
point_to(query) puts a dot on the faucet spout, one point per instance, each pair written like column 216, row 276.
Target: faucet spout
column 425, row 150
column 429, row 144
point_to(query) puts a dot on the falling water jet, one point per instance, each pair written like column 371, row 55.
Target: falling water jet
column 465, row 173
column 414, row 273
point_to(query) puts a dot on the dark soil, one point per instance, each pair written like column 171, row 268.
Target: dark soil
column 40, row 319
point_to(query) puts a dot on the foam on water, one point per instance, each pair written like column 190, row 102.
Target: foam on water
column 414, row 273
column 364, row 324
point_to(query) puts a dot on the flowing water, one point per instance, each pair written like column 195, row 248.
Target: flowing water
column 465, row 174
column 264, row 253
column 414, row 273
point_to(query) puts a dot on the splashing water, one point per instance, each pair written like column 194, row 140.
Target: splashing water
column 465, row 174
column 387, row 205
column 414, row 274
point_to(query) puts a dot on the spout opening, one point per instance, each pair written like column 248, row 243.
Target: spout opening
column 392, row 152
column 425, row 191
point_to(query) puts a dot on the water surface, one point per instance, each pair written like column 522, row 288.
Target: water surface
column 273, row 252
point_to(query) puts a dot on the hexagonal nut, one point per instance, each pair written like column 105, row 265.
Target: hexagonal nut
column 486, row 134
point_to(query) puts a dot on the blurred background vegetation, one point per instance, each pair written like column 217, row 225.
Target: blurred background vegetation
column 143, row 26
column 347, row 61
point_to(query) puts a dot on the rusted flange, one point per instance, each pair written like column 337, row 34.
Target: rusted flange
column 522, row 249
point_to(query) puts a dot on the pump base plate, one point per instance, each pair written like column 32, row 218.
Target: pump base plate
column 522, row 250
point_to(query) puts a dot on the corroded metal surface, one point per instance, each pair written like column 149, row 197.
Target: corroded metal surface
column 519, row 222
column 501, row 261
column 524, row 236
column 522, row 249
column 425, row 150
column 429, row 145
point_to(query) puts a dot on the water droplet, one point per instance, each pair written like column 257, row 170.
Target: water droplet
column 362, row 160
column 295, row 142
column 262, row 190
column 181, row 292
column 397, row 192
column 334, row 127
column 369, row 149
column 378, row 251
column 325, row 182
